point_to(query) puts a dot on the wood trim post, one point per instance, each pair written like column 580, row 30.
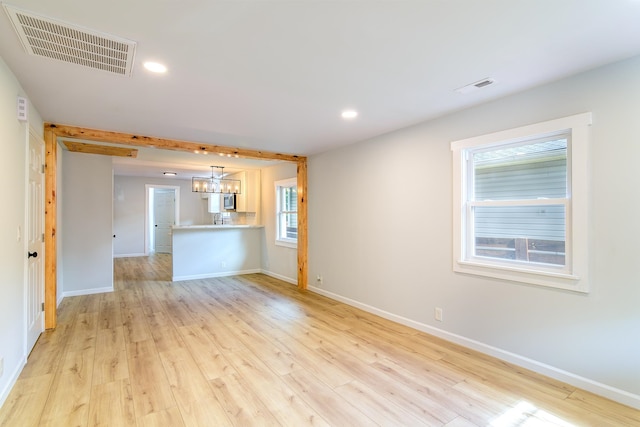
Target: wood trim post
column 302, row 224
column 50, row 219
column 54, row 131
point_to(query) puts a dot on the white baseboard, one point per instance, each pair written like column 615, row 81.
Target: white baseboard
column 129, row 255
column 595, row 387
column 210, row 275
column 12, row 381
column 106, row 289
column 280, row 276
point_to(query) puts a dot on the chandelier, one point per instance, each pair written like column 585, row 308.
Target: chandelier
column 216, row 184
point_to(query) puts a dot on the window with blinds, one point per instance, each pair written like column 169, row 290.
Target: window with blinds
column 518, row 205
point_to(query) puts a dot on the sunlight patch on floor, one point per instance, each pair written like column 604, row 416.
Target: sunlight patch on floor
column 524, row 414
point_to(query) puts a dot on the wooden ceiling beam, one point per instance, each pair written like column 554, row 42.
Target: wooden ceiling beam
column 105, row 150
column 66, row 131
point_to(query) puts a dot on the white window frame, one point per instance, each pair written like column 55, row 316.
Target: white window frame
column 574, row 276
column 283, row 241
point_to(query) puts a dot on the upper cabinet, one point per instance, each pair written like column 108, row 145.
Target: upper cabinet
column 249, row 198
column 213, row 204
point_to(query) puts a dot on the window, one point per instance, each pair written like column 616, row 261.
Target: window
column 520, row 210
column 287, row 213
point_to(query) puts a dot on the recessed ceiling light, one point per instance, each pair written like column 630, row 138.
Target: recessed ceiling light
column 155, row 67
column 349, row 114
column 169, row 173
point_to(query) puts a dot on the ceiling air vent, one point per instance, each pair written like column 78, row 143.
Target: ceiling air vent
column 475, row 86
column 53, row 39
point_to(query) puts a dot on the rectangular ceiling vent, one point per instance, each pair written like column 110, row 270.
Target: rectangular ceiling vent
column 53, row 39
column 476, row 85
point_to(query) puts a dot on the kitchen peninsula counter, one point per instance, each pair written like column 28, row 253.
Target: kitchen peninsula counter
column 214, row 227
column 202, row 251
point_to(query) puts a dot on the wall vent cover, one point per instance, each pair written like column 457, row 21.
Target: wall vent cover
column 54, row 39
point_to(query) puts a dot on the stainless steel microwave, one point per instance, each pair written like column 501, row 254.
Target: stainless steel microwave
column 229, row 202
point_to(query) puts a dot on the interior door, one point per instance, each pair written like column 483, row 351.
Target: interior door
column 35, row 242
column 164, row 218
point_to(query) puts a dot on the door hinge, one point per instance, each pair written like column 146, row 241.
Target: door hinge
column 42, row 169
column 42, row 306
column 42, row 237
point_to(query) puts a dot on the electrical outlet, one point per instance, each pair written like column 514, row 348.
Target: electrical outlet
column 223, row 264
column 1, row 366
column 438, row 314
column 319, row 279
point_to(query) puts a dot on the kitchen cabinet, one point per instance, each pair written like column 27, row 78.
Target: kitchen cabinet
column 249, row 199
column 213, row 203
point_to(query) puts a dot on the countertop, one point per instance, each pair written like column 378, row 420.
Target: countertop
column 214, row 227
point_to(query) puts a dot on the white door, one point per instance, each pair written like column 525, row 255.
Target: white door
column 35, row 244
column 164, row 218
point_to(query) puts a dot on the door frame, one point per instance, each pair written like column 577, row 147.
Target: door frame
column 148, row 188
column 53, row 132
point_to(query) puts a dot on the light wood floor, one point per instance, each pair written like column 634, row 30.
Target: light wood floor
column 251, row 350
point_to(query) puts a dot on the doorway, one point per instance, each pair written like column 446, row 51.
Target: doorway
column 162, row 212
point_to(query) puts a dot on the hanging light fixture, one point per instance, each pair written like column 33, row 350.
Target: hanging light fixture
column 216, row 184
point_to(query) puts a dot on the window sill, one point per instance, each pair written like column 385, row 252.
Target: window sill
column 551, row 279
column 287, row 244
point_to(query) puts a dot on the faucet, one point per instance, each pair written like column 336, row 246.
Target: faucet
column 218, row 219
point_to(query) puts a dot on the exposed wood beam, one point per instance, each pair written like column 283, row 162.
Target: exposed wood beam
column 54, row 131
column 106, row 150
column 302, row 224
column 50, row 238
column 163, row 143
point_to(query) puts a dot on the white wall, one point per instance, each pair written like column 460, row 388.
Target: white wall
column 129, row 210
column 14, row 137
column 391, row 252
column 86, row 256
column 277, row 261
column 202, row 253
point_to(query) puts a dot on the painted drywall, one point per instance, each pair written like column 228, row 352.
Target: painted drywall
column 129, row 210
column 87, row 260
column 14, row 137
column 202, row 253
column 277, row 261
column 390, row 247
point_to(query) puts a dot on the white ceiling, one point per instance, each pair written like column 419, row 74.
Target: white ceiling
column 275, row 75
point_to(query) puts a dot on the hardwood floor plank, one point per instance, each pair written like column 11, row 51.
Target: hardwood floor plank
column 187, row 382
column 167, row 417
column 253, row 350
column 327, row 403
column 110, row 315
column 163, row 332
column 240, row 403
column 149, row 385
column 26, row 402
column 204, row 413
column 283, row 403
column 68, row 402
column 84, row 332
column 111, row 404
column 369, row 402
column 110, row 362
column 207, row 355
